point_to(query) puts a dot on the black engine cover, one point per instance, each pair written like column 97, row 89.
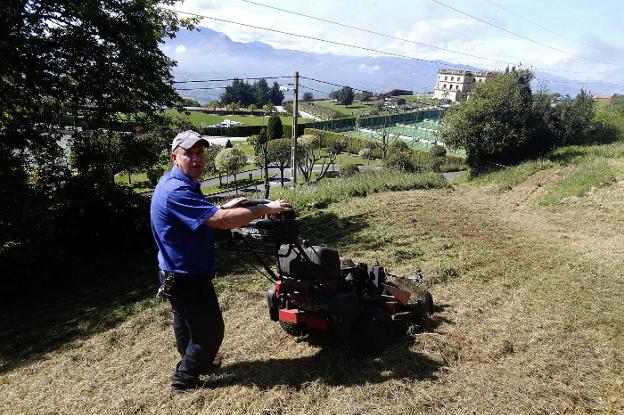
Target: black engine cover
column 312, row 263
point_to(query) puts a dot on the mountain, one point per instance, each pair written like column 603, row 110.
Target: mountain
column 207, row 54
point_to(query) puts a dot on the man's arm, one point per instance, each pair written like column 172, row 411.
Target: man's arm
column 239, row 216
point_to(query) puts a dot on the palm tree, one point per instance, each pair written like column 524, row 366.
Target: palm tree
column 252, row 108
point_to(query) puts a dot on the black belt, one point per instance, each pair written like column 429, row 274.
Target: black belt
column 190, row 276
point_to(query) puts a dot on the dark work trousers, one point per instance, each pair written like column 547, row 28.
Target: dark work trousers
column 197, row 325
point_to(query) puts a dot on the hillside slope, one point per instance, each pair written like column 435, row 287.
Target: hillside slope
column 530, row 319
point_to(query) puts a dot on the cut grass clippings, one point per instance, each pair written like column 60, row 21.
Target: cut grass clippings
column 580, row 181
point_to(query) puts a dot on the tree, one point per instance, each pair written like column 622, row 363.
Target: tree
column 385, row 139
column 307, row 96
column 576, row 118
column 68, row 63
column 274, row 127
column 238, row 92
column 252, row 108
column 497, row 124
column 269, row 109
column 344, row 95
column 261, row 148
column 311, row 149
column 276, row 96
column 261, row 92
column 231, row 161
column 278, row 154
column 60, row 56
column 366, row 154
column 190, row 102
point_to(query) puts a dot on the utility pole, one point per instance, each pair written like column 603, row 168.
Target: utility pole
column 293, row 146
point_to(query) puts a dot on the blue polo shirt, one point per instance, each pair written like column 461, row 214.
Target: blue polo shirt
column 178, row 211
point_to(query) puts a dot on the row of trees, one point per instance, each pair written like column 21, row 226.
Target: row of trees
column 505, row 122
column 259, row 94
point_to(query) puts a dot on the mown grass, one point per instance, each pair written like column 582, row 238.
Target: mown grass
column 581, row 180
column 525, row 323
column 200, row 119
column 360, row 185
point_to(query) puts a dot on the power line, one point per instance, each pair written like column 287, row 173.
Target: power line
column 447, row 64
column 381, row 52
column 542, row 26
column 232, row 79
column 320, row 19
column 312, row 89
column 201, row 88
column 522, row 36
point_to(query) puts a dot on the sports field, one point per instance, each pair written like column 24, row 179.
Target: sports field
column 421, row 135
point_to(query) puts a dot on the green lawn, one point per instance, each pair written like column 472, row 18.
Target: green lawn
column 201, row 119
column 356, row 108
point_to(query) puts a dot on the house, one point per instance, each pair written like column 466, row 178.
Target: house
column 456, row 85
column 604, row 98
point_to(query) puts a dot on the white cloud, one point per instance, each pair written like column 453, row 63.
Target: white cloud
column 368, row 69
column 180, row 49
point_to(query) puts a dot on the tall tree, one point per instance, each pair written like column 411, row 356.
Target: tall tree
column 274, row 127
column 276, row 96
column 238, row 92
column 497, row 123
column 261, row 92
column 78, row 63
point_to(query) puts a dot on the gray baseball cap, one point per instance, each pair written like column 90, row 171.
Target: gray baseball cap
column 187, row 139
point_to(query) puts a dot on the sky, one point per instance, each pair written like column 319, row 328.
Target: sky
column 582, row 41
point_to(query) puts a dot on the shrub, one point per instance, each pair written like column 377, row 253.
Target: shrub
column 401, row 162
column 348, row 170
column 437, row 151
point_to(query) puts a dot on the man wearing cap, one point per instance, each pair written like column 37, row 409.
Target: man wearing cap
column 181, row 221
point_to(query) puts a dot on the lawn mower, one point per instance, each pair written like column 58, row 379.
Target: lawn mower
column 315, row 290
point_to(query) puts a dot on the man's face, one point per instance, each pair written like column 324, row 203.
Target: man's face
column 191, row 162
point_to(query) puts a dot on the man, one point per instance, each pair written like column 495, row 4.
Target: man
column 181, row 223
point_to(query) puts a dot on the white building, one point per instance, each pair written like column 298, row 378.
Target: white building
column 456, row 85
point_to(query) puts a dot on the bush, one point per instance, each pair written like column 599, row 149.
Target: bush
column 437, row 151
column 401, row 162
column 348, row 170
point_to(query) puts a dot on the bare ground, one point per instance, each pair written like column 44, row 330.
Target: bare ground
column 529, row 320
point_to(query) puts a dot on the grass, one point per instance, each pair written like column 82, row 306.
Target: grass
column 529, row 316
column 356, row 108
column 508, row 178
column 581, row 180
column 360, row 185
column 200, row 119
column 527, row 322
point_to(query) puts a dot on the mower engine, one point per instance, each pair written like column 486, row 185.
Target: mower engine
column 314, row 289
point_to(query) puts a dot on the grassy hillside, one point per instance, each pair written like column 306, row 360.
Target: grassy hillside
column 530, row 315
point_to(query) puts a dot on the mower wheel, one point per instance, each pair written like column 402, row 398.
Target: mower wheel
column 292, row 329
column 427, row 302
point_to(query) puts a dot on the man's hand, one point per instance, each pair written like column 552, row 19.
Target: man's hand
column 234, row 203
column 278, row 206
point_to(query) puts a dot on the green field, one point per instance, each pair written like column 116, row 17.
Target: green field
column 200, row 119
column 356, row 108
